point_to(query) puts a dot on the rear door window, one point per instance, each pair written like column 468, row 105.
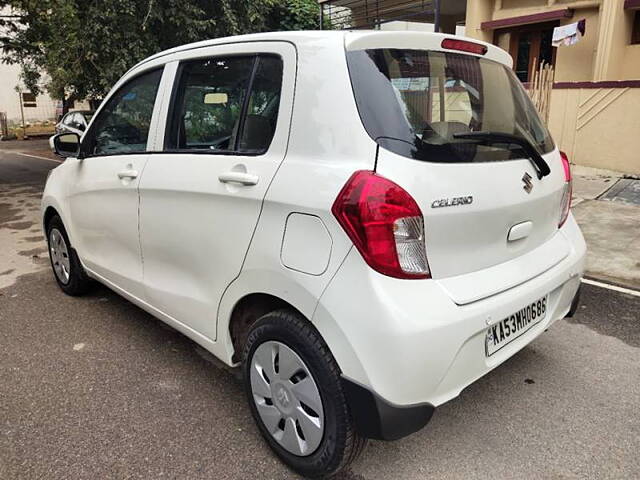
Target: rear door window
column 225, row 105
column 208, row 104
column 414, row 102
column 263, row 106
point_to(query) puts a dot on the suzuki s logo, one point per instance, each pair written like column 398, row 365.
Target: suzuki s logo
column 528, row 184
column 283, row 398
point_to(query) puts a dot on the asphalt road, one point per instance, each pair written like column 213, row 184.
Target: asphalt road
column 94, row 387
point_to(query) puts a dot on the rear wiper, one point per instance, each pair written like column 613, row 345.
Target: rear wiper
column 542, row 168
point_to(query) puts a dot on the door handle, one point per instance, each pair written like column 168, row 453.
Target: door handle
column 127, row 174
column 242, row 178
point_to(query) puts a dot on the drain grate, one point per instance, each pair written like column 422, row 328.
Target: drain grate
column 625, row 190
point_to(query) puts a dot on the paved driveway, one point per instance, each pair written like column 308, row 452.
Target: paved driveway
column 93, row 387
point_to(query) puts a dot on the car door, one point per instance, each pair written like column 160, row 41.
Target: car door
column 200, row 199
column 103, row 197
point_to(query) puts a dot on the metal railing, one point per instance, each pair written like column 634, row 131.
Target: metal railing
column 370, row 14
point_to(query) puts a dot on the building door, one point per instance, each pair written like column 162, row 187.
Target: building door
column 529, row 45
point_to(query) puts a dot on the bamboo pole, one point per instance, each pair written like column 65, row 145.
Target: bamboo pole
column 540, row 88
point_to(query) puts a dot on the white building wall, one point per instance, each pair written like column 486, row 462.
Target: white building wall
column 45, row 108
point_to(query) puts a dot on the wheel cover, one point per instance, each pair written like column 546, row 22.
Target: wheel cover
column 59, row 256
column 287, row 398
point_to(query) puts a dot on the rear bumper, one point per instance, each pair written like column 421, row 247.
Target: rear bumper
column 380, row 420
column 410, row 344
column 575, row 303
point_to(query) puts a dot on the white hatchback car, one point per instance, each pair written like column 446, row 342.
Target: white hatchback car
column 367, row 222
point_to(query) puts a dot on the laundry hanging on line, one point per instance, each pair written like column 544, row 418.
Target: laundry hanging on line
column 568, row 34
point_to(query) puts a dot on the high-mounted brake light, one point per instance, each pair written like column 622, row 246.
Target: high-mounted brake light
column 464, row 46
column 384, row 223
column 567, row 190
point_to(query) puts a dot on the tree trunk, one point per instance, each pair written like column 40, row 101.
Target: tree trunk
column 67, row 103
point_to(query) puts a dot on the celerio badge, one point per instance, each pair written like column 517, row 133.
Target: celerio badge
column 452, row 202
column 528, row 184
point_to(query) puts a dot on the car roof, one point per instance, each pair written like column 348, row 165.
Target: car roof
column 360, row 37
column 297, row 36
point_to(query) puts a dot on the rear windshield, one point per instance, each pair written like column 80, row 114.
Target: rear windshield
column 414, row 102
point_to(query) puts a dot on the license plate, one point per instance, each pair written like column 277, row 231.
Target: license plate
column 511, row 327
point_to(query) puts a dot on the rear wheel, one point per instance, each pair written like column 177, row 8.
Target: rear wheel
column 66, row 266
column 295, row 395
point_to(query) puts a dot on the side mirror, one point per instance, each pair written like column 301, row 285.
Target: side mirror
column 65, row 144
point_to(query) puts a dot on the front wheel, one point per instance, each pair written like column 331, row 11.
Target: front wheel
column 295, row 395
column 67, row 269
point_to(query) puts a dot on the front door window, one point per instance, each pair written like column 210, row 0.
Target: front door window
column 123, row 124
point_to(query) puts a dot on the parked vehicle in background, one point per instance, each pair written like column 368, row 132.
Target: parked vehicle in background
column 364, row 222
column 75, row 122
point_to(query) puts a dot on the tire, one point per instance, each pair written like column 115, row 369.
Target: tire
column 295, row 346
column 67, row 269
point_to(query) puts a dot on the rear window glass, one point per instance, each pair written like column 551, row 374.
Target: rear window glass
column 414, row 102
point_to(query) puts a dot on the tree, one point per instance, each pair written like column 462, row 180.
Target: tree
column 84, row 46
column 294, row 15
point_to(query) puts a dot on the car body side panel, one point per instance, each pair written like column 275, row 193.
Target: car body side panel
column 195, row 229
column 319, row 161
column 54, row 196
column 104, row 211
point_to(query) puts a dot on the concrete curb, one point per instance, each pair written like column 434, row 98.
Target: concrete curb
column 618, row 282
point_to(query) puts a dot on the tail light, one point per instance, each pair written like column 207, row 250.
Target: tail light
column 567, row 190
column 384, row 223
